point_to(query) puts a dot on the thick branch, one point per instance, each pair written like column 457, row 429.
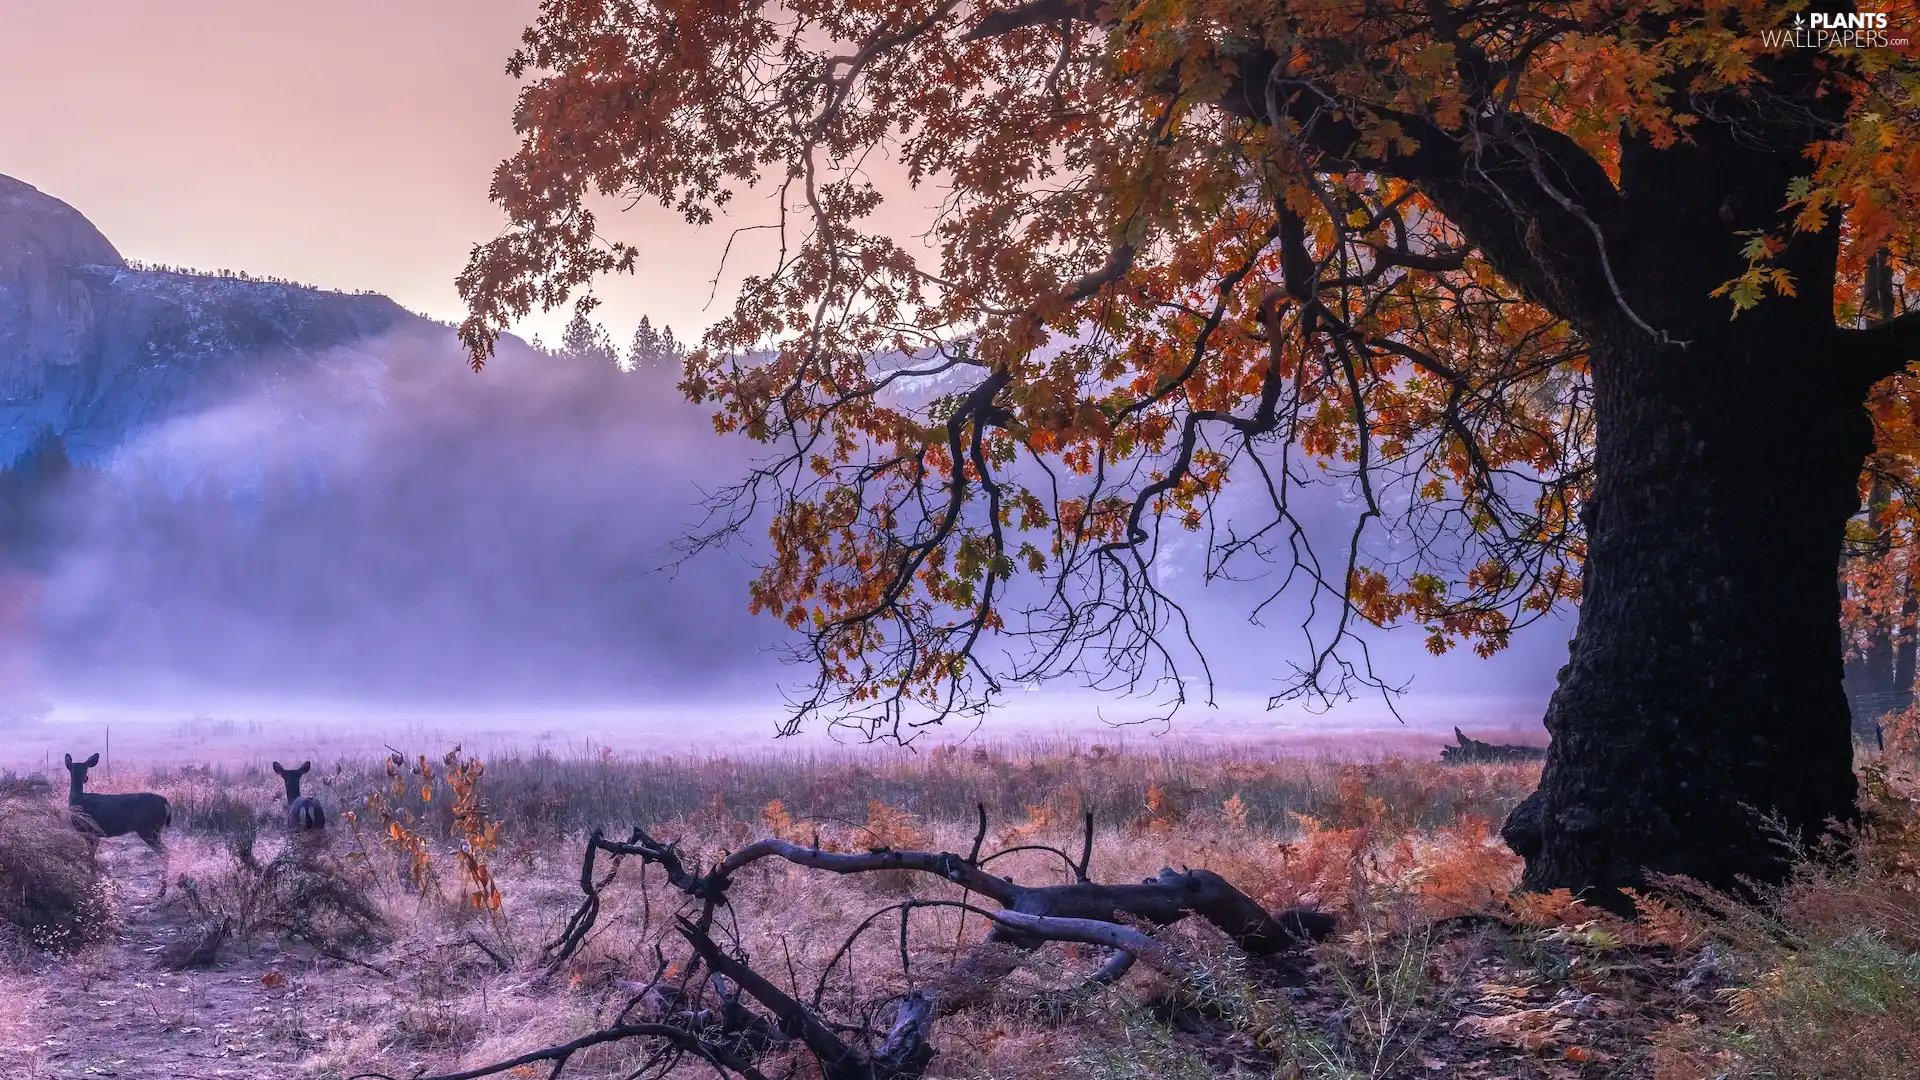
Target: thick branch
column 1169, row 897
column 909, row 1046
column 1096, row 932
column 1036, row 13
column 1880, row 350
column 905, row 1054
column 1166, row 899
column 945, row 864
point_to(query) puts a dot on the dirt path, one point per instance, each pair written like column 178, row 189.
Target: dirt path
column 114, row 1010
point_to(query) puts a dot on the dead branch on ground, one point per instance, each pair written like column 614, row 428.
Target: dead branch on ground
column 730, row 1037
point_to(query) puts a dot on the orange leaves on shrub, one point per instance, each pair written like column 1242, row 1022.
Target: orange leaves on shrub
column 479, row 836
column 891, row 827
column 1556, row 908
column 424, row 771
column 407, row 832
column 402, row 834
column 1353, row 807
column 1166, row 805
column 1467, row 870
column 1902, row 731
column 1664, row 923
column 1324, row 864
column 1234, row 810
column 779, row 822
column 1159, row 809
column 1039, row 818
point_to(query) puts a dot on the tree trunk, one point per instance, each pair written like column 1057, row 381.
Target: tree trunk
column 1704, row 691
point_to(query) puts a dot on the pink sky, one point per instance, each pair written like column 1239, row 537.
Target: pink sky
column 347, row 144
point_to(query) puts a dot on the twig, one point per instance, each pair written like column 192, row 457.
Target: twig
column 559, row 1054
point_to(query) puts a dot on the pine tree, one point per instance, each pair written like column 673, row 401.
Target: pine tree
column 653, row 348
column 645, row 350
column 587, row 340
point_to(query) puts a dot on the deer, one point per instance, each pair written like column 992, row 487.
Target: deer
column 304, row 812
column 141, row 813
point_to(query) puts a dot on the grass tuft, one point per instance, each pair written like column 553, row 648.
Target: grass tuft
column 51, row 894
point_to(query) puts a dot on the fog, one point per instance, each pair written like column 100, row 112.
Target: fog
column 386, row 526
column 383, row 530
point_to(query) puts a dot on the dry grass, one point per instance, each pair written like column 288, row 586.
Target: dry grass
column 21, row 1024
column 1288, row 829
column 302, row 892
column 50, row 893
column 1436, row 972
column 1825, row 976
column 544, row 795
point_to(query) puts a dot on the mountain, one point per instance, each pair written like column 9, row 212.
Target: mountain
column 220, row 486
column 92, row 349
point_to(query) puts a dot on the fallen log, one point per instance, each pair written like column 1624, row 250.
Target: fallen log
column 1467, row 751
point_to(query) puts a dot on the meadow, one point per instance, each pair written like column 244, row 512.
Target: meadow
column 417, row 935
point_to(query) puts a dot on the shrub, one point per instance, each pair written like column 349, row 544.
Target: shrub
column 303, row 892
column 27, row 786
column 51, row 895
column 1827, row 967
column 1843, row 1009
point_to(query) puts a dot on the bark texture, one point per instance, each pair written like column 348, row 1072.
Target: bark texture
column 1703, row 696
column 1702, row 713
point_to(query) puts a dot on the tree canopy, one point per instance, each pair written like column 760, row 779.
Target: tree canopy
column 1183, row 246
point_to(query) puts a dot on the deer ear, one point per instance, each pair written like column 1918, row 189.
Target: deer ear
column 69, row 758
column 92, row 761
column 277, row 770
column 305, row 768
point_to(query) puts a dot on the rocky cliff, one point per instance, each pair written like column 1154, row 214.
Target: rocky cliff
column 91, row 349
column 48, row 319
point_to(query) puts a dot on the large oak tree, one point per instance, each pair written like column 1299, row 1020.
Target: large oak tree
column 1564, row 292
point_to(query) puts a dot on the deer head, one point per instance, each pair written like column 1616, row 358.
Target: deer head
column 291, row 777
column 77, row 773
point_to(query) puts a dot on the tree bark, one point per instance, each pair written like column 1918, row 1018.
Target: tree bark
column 1704, row 694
